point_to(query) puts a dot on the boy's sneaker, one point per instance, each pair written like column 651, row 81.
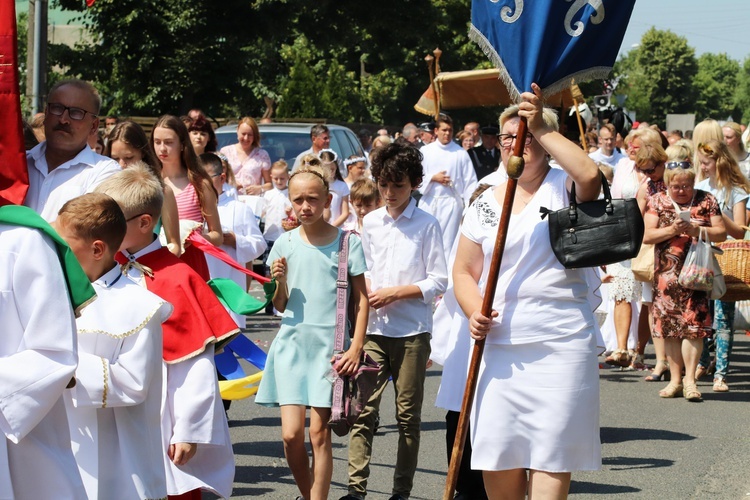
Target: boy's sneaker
column 398, row 497
column 351, row 497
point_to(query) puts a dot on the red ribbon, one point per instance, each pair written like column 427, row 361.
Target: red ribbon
column 202, row 244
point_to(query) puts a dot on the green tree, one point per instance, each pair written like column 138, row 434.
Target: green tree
column 658, row 76
column 742, row 93
column 715, row 86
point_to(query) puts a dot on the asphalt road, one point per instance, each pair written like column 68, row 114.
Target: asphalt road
column 652, row 448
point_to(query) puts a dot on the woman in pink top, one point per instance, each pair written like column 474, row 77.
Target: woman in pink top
column 195, row 194
column 250, row 163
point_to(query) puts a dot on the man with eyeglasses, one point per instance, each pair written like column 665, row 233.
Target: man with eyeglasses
column 607, row 153
column 64, row 166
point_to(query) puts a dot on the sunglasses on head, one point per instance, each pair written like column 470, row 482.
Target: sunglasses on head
column 685, row 165
column 706, row 149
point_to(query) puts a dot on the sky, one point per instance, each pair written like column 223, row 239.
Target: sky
column 710, row 26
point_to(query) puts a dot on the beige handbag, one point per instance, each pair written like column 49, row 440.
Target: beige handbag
column 643, row 264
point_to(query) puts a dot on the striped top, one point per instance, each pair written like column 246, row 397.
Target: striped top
column 188, row 204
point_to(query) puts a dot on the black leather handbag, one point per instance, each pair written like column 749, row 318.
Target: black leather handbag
column 595, row 233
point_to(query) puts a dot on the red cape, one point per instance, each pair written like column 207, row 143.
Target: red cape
column 198, row 319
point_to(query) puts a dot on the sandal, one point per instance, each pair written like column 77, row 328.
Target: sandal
column 637, row 363
column 671, row 391
column 700, row 372
column 662, row 375
column 619, row 357
column 720, row 385
column 691, row 393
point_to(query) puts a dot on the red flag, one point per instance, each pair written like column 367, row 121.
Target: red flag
column 14, row 178
column 90, row 2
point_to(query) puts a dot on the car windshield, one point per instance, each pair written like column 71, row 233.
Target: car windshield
column 278, row 145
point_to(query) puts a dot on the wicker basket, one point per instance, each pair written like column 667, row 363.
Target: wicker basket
column 735, row 266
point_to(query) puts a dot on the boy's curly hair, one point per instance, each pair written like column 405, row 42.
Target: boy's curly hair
column 395, row 161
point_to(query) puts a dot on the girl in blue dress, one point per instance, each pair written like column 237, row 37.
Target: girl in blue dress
column 304, row 262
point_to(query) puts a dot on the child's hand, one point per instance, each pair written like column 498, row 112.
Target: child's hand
column 230, row 240
column 278, row 270
column 348, row 362
column 382, row 297
column 181, row 453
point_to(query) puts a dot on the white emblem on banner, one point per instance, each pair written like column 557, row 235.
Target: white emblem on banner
column 596, row 18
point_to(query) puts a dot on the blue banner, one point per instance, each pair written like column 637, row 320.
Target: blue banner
column 550, row 42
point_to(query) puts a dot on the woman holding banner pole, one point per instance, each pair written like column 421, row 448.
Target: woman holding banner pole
column 537, row 397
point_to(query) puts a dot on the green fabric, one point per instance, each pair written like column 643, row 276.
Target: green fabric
column 232, row 295
column 79, row 287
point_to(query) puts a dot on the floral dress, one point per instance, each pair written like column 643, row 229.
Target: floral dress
column 679, row 312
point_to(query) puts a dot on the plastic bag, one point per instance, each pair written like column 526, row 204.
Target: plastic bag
column 697, row 272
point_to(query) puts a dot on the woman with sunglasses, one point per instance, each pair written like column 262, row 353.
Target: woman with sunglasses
column 623, row 289
column 721, row 176
column 681, row 316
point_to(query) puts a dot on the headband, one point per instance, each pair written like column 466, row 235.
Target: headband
column 335, row 156
column 352, row 161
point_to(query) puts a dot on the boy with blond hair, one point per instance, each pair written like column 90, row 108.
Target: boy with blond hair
column 114, row 408
column 197, row 449
column 364, row 197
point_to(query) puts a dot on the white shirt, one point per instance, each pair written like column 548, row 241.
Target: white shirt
column 276, row 203
column 238, row 218
column 404, row 251
column 612, row 160
column 114, row 411
column 48, row 191
column 37, row 360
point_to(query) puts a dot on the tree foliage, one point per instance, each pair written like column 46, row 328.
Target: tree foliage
column 350, row 61
column 715, row 86
column 657, row 77
column 742, row 94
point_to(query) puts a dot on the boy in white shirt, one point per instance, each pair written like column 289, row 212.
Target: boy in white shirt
column 404, row 251
column 276, row 202
column 243, row 240
column 114, row 408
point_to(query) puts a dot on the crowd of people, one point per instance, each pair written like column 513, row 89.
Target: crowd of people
column 119, row 397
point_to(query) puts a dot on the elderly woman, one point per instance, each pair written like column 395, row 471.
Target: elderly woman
column 681, row 316
column 536, row 414
column 250, row 163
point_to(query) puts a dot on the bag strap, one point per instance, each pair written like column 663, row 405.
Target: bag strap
column 342, row 285
column 572, row 209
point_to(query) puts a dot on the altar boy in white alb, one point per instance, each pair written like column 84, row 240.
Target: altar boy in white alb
column 114, row 409
column 37, row 361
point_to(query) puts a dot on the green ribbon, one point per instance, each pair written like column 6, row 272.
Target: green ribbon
column 234, row 297
column 79, row 287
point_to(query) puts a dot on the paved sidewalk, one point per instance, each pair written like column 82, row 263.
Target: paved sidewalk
column 652, row 448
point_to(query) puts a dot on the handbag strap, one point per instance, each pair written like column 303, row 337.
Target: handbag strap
column 572, row 209
column 342, row 284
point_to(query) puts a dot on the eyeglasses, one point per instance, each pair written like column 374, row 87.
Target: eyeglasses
column 681, row 187
column 136, row 216
column 685, row 165
column 58, row 109
column 507, row 139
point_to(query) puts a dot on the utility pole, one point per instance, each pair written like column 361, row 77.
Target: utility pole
column 36, row 55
